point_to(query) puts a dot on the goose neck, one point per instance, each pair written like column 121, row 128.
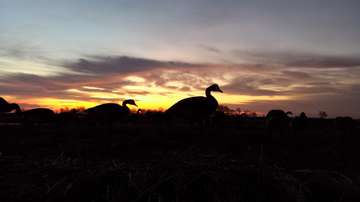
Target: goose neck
column 17, row 108
column 208, row 93
column 125, row 105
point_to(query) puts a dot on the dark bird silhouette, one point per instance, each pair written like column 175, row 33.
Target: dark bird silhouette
column 299, row 123
column 110, row 111
column 8, row 107
column 68, row 117
column 39, row 115
column 347, row 128
column 277, row 120
column 196, row 108
column 345, row 124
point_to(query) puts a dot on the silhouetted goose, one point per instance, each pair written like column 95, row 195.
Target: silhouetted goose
column 71, row 116
column 110, row 111
column 39, row 115
column 299, row 123
column 345, row 124
column 8, row 107
column 196, row 108
column 277, row 120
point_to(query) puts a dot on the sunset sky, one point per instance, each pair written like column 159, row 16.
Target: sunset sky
column 264, row 54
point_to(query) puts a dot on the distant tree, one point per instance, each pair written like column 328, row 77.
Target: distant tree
column 225, row 109
column 323, row 114
column 72, row 110
column 253, row 114
column 64, row 109
column 248, row 113
column 238, row 111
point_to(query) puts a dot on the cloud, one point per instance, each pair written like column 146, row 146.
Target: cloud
column 283, row 82
column 101, row 65
column 296, row 74
column 280, row 81
column 299, row 59
column 324, row 61
column 210, row 49
column 110, row 79
column 110, row 74
column 28, row 85
column 21, row 50
column 247, row 86
column 306, row 90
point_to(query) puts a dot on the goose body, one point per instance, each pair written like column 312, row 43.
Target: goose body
column 277, row 120
column 196, row 108
column 345, row 124
column 108, row 108
column 71, row 116
column 110, row 111
column 299, row 123
column 39, row 115
column 8, row 107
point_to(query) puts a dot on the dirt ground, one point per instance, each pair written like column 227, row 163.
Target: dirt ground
column 151, row 161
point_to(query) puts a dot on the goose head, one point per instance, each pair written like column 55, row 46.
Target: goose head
column 130, row 102
column 214, row 88
column 15, row 107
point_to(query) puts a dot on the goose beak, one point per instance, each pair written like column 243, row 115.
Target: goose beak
column 220, row 91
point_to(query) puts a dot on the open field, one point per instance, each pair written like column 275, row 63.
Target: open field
column 156, row 161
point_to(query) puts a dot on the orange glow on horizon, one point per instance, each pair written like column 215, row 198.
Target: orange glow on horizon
column 147, row 102
column 148, row 96
column 57, row 104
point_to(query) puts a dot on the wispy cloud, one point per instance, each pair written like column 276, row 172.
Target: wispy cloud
column 109, row 79
column 210, row 48
column 101, row 65
column 299, row 59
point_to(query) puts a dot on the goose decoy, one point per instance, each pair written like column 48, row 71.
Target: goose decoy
column 277, row 120
column 345, row 124
column 197, row 108
column 8, row 107
column 68, row 117
column 39, row 115
column 110, row 111
column 299, row 123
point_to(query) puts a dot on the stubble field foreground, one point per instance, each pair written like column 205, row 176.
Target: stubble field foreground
column 157, row 161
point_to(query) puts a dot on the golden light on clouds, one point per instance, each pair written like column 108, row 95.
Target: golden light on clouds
column 157, row 92
column 156, row 101
column 92, row 88
column 147, row 96
column 242, row 99
column 31, row 67
column 134, row 79
column 146, row 88
column 94, row 94
column 57, row 104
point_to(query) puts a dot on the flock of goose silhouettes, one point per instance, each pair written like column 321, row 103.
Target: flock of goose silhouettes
column 192, row 109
